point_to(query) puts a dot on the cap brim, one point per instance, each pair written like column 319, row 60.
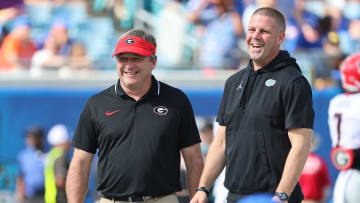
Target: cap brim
column 132, row 49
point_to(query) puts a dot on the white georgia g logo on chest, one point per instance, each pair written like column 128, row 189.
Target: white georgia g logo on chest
column 161, row 110
column 270, row 82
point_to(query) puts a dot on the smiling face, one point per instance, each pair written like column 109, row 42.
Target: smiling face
column 134, row 71
column 263, row 39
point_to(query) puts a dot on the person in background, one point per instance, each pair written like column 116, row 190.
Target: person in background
column 328, row 63
column 140, row 126
column 17, row 47
column 307, row 24
column 206, row 133
column 315, row 179
column 60, row 33
column 211, row 16
column 30, row 182
column 206, row 136
column 265, row 120
column 56, row 164
column 9, row 10
column 344, row 130
column 78, row 58
column 47, row 58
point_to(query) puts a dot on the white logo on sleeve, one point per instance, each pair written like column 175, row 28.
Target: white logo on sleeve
column 161, row 110
column 270, row 82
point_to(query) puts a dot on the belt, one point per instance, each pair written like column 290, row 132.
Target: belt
column 128, row 198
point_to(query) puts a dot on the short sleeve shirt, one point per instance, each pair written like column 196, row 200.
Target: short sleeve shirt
column 257, row 108
column 139, row 142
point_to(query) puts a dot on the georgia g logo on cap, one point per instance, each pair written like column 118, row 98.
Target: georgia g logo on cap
column 135, row 45
column 130, row 41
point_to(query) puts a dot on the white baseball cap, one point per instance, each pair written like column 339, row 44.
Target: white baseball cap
column 58, row 134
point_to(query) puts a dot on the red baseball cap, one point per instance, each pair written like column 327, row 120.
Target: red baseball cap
column 135, row 45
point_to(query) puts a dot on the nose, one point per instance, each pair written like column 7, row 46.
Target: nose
column 125, row 65
column 128, row 63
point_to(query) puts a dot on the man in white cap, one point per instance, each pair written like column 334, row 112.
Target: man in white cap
column 56, row 164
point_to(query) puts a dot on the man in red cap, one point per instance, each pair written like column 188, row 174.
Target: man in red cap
column 139, row 127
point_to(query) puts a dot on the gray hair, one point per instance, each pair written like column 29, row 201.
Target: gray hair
column 142, row 34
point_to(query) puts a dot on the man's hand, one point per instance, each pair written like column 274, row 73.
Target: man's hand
column 199, row 197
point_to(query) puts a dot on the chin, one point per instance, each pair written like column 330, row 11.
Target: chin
column 255, row 57
column 130, row 82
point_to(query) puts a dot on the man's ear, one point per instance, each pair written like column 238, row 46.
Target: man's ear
column 281, row 37
column 154, row 59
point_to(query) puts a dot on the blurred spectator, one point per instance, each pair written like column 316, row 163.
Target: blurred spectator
column 56, row 165
column 47, row 58
column 306, row 24
column 175, row 44
column 315, row 180
column 214, row 17
column 59, row 32
column 205, row 127
column 328, row 62
column 30, row 182
column 9, row 10
column 331, row 44
column 342, row 23
column 78, row 58
column 338, row 21
column 17, row 48
column 122, row 12
column 206, row 135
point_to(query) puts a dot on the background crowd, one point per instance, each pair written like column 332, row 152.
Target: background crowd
column 62, row 35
